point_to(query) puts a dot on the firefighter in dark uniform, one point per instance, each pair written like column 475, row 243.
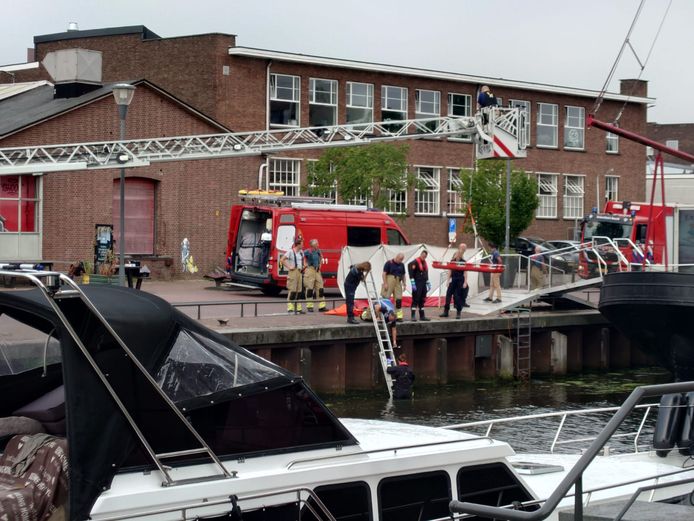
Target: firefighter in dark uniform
column 313, row 280
column 419, row 279
column 403, row 378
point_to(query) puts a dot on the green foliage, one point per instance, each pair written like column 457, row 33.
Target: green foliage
column 361, row 171
column 486, row 190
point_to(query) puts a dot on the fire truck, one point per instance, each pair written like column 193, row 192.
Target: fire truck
column 665, row 230
column 265, row 226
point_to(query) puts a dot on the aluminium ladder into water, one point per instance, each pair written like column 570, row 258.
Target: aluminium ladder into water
column 386, row 354
column 66, row 299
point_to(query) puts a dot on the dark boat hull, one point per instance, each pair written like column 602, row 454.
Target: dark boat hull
column 655, row 310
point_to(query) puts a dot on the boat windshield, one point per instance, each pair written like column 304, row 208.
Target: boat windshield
column 198, row 366
column 23, row 348
column 613, row 230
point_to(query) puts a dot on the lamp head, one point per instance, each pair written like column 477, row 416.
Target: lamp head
column 123, row 93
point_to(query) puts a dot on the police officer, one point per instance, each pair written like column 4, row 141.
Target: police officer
column 313, row 280
column 293, row 262
column 419, row 279
column 394, row 282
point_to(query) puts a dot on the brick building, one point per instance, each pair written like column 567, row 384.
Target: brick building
column 252, row 89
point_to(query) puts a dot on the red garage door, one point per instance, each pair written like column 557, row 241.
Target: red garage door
column 139, row 215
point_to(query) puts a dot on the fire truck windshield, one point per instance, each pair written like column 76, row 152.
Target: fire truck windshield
column 611, row 229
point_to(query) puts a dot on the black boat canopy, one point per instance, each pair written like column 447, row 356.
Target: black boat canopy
column 240, row 403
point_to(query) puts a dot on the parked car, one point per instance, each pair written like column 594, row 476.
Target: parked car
column 525, row 246
column 570, row 250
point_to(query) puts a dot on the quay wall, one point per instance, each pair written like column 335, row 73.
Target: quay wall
column 336, row 358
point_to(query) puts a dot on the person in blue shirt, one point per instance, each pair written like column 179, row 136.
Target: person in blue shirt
column 356, row 274
column 386, row 307
column 486, row 98
column 313, row 280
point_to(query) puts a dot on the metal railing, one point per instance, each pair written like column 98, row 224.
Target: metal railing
column 574, row 478
column 254, row 305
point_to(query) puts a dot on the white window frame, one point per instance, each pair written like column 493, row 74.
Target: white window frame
column 574, row 125
column 427, row 201
column 611, row 143
column 574, row 196
column 673, row 143
column 388, row 98
column 526, row 107
column 353, row 101
column 611, row 188
column 397, row 202
column 547, row 193
column 466, row 111
column 549, row 120
column 284, row 173
column 332, row 194
column 332, row 93
column 434, row 104
column 456, row 202
column 286, row 95
column 363, row 200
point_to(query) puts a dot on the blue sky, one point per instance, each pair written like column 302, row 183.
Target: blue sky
column 556, row 42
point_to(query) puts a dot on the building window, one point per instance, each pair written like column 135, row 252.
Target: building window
column 673, row 143
column 573, row 196
column 574, row 128
column 524, row 106
column 460, row 105
column 611, row 188
column 393, row 105
column 456, row 200
column 427, row 105
column 612, row 143
column 284, row 174
column 313, row 191
column 365, row 199
column 547, row 125
column 360, row 103
column 397, row 201
column 284, row 100
column 139, row 215
column 322, row 102
column 427, row 193
column 547, row 192
column 19, row 203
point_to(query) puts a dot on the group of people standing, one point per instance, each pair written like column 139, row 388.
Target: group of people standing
column 304, row 279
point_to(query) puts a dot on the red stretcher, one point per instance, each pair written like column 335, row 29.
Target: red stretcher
column 468, row 266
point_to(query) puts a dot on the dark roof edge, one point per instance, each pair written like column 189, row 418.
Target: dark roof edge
column 89, row 33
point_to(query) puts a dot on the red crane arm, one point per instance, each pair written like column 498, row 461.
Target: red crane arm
column 631, row 136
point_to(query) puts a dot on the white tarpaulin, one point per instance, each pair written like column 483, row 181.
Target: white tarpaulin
column 378, row 255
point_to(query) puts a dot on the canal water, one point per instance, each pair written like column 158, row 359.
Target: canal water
column 452, row 404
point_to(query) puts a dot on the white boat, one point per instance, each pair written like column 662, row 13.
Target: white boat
column 167, row 420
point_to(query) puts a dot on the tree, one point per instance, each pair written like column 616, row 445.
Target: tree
column 369, row 171
column 486, row 191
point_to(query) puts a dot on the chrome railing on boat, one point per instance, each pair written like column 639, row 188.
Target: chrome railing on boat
column 563, row 416
column 574, row 477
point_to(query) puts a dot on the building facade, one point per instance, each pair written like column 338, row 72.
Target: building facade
column 246, row 89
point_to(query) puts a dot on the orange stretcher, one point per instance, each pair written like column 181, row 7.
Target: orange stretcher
column 468, row 266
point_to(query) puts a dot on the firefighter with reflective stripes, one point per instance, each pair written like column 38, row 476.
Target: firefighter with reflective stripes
column 313, row 280
column 394, row 282
column 419, row 279
column 294, row 262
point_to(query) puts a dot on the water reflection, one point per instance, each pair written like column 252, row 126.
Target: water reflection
column 451, row 404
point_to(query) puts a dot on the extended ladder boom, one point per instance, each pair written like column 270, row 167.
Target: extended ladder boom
column 142, row 152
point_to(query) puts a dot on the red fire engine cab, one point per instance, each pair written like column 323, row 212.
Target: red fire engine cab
column 265, row 226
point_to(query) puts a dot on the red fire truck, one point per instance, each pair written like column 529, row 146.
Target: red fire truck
column 264, row 227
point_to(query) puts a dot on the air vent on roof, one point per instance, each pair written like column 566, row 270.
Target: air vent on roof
column 72, row 26
column 74, row 71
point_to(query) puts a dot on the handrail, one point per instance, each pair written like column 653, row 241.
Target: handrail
column 574, row 478
column 563, row 415
column 243, row 304
column 387, row 449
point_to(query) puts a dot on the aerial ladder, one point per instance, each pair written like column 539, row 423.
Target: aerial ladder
column 498, row 133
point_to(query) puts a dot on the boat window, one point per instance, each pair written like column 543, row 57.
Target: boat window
column 363, row 236
column 198, row 366
column 492, row 484
column 415, row 496
column 395, row 238
column 345, row 501
column 23, row 348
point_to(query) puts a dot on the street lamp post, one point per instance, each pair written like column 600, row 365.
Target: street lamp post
column 123, row 93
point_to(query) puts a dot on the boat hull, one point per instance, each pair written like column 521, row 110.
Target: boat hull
column 655, row 310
